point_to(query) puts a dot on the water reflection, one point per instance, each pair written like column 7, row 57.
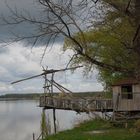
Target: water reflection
column 65, row 119
column 20, row 119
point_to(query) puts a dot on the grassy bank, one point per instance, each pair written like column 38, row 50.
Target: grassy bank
column 97, row 130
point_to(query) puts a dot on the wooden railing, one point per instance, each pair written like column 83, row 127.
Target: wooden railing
column 77, row 104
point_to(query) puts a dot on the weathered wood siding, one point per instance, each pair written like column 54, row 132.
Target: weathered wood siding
column 136, row 88
column 120, row 104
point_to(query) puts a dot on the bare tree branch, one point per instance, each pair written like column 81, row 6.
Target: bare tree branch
column 63, row 18
column 128, row 5
column 136, row 34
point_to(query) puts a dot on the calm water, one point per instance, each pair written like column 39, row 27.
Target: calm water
column 20, row 119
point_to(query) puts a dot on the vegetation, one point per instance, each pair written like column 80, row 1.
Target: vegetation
column 97, row 130
column 45, row 125
column 137, row 126
column 20, row 96
column 102, row 34
column 111, row 42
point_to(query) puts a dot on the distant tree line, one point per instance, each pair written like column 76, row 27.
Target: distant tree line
column 21, row 96
column 37, row 95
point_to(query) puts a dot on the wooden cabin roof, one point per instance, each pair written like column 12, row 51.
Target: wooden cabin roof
column 128, row 81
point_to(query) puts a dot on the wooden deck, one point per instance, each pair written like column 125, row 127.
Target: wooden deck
column 77, row 104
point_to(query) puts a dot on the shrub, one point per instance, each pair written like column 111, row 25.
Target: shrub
column 137, row 126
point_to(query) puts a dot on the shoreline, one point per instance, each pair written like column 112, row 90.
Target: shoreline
column 98, row 129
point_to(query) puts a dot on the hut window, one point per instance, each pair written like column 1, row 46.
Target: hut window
column 127, row 92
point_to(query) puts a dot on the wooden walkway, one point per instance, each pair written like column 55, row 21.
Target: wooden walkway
column 77, row 104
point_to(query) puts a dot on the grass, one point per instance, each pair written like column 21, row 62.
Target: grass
column 84, row 132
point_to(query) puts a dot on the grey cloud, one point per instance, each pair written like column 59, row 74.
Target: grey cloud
column 3, row 50
column 14, row 65
column 35, row 9
column 25, row 7
column 29, row 5
column 18, row 62
column 28, row 8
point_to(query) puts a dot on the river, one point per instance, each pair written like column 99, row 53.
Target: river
column 20, row 119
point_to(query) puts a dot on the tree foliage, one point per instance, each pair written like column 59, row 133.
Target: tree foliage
column 111, row 42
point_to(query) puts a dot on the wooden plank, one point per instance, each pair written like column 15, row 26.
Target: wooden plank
column 90, row 104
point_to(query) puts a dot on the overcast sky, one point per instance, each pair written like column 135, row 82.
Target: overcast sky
column 18, row 61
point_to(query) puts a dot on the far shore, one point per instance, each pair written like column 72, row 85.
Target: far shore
column 36, row 96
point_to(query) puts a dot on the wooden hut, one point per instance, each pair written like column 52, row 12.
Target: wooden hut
column 126, row 97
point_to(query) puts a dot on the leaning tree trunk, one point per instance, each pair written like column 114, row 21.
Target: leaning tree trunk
column 136, row 39
column 137, row 20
